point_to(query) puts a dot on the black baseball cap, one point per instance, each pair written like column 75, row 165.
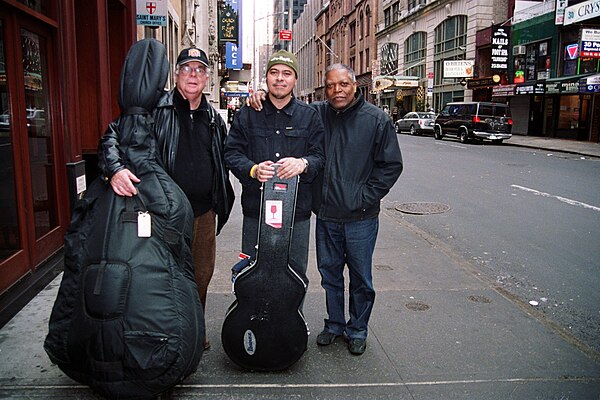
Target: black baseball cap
column 192, row 54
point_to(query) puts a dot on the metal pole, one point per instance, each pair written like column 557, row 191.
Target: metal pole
column 290, row 18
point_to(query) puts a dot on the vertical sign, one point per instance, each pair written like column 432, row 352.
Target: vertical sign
column 233, row 58
column 500, row 45
column 559, row 16
column 151, row 13
column 229, row 21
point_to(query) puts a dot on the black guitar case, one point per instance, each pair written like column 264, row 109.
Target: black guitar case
column 127, row 320
column 264, row 329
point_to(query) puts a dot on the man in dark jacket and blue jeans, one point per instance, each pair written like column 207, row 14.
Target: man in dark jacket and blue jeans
column 190, row 138
column 288, row 132
column 363, row 161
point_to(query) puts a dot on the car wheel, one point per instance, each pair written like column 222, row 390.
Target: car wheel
column 464, row 136
column 413, row 130
column 437, row 133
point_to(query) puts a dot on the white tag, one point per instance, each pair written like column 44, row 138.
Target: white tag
column 144, row 224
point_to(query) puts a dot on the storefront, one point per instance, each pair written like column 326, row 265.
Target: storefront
column 60, row 63
column 568, row 109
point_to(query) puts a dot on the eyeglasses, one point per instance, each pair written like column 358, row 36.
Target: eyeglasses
column 186, row 70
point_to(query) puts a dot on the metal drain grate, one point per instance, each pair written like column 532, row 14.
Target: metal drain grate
column 479, row 299
column 422, row 208
column 417, row 306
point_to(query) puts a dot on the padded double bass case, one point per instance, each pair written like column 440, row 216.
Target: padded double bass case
column 127, row 320
column 264, row 329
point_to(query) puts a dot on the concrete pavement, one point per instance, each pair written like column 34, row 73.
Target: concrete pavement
column 439, row 330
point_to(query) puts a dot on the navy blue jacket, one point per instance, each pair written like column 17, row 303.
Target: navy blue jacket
column 272, row 134
column 363, row 162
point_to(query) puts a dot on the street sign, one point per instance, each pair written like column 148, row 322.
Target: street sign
column 285, row 34
column 151, row 13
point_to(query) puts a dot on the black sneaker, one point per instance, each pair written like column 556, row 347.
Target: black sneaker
column 326, row 338
column 357, row 346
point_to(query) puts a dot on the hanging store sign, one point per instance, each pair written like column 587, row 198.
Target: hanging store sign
column 531, row 88
column 559, row 16
column 503, row 90
column 590, row 43
column 582, row 11
column 500, row 46
column 151, row 13
column 229, row 17
column 233, row 58
column 459, row 68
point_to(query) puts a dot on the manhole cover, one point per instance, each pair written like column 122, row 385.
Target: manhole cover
column 417, row 306
column 422, row 208
column 479, row 299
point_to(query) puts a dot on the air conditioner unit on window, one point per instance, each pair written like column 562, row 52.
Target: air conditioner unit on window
column 519, row 50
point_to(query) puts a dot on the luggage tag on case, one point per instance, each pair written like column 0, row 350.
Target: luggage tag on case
column 144, row 224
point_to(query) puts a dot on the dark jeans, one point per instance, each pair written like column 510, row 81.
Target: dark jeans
column 298, row 257
column 352, row 244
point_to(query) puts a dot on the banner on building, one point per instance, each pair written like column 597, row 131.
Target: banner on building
column 590, row 43
column 458, row 68
column 559, row 16
column 500, row 46
column 582, row 11
column 229, row 18
column 151, row 13
column 233, row 58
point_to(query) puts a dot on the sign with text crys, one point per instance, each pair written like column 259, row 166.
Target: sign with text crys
column 151, row 13
column 500, row 46
column 458, row 68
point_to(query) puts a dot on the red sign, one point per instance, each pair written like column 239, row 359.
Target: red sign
column 285, row 34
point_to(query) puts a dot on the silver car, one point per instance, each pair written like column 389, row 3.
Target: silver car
column 416, row 123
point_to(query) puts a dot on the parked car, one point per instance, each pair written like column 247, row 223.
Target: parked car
column 416, row 123
column 474, row 120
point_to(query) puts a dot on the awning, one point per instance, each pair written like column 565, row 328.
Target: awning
column 565, row 84
column 395, row 82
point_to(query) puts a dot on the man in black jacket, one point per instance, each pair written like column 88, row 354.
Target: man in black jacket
column 190, row 138
column 287, row 132
column 363, row 161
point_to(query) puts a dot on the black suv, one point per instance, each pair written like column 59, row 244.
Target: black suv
column 474, row 120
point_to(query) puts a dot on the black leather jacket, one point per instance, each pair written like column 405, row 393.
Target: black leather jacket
column 167, row 140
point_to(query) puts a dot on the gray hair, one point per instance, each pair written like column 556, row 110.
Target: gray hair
column 343, row 67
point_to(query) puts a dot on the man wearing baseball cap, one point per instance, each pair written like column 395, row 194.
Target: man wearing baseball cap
column 288, row 132
column 190, row 137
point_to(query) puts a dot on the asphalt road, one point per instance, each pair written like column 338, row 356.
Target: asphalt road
column 529, row 219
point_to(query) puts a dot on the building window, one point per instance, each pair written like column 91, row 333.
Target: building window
column 367, row 60
column 387, row 20
column 395, row 12
column 361, row 21
column 352, row 33
column 450, row 44
column 368, row 27
column 415, row 51
column 412, row 4
column 389, row 59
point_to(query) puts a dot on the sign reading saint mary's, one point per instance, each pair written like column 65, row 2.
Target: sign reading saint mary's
column 151, row 13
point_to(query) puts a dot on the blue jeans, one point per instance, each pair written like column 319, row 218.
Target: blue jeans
column 352, row 244
column 298, row 257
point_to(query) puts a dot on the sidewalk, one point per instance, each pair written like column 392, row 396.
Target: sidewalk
column 549, row 144
column 438, row 331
